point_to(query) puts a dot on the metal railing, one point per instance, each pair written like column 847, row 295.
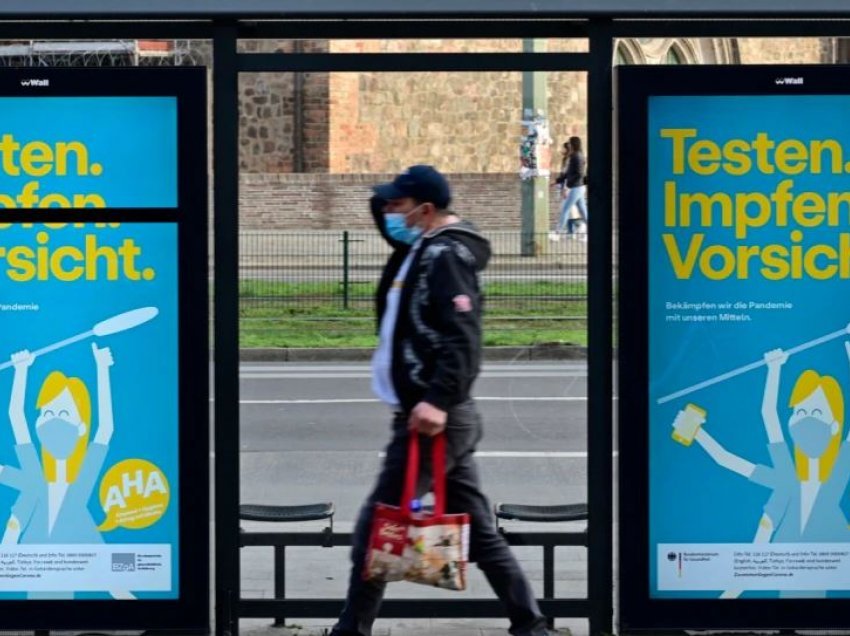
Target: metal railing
column 300, row 271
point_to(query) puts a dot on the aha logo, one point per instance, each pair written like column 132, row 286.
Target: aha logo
column 134, row 494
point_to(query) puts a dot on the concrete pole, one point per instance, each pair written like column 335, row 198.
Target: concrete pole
column 535, row 190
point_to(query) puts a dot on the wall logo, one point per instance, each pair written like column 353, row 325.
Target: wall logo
column 35, row 83
column 789, row 81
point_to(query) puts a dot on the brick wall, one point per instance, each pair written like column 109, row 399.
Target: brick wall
column 340, row 202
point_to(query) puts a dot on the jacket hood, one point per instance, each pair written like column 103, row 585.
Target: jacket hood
column 470, row 236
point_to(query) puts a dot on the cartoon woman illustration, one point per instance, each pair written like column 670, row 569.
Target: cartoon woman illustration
column 52, row 507
column 808, row 480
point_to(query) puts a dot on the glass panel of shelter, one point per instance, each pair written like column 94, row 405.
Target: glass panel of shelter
column 311, row 146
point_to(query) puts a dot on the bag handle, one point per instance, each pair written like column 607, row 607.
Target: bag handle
column 438, row 464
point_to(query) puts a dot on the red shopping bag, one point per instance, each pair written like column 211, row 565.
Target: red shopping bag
column 431, row 549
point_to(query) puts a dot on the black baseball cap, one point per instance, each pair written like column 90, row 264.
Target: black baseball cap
column 423, row 183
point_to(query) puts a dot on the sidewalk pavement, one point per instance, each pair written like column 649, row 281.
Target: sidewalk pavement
column 396, row 627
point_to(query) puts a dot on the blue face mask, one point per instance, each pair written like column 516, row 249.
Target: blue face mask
column 398, row 230
column 811, row 435
column 58, row 437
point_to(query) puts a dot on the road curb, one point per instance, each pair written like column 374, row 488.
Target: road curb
column 359, row 354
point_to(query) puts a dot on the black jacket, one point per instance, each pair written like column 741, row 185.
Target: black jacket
column 436, row 352
column 575, row 172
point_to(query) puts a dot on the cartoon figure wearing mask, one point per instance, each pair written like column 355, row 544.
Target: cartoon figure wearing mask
column 52, row 507
column 808, row 479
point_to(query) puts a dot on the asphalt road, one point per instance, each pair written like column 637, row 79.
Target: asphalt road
column 313, row 432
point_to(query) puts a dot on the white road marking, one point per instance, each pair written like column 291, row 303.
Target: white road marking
column 366, row 374
column 529, row 454
column 318, row 368
column 375, row 400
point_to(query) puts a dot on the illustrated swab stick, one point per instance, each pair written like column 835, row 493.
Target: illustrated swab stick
column 753, row 365
column 116, row 324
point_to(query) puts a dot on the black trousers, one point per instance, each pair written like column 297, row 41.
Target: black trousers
column 463, row 494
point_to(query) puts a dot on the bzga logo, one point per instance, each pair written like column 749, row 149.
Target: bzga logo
column 40, row 83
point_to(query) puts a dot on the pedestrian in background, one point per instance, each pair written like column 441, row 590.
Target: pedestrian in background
column 572, row 180
column 429, row 308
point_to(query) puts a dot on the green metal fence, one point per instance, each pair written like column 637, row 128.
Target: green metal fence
column 294, row 283
column 303, row 269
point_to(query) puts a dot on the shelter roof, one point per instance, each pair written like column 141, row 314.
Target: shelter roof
column 293, row 9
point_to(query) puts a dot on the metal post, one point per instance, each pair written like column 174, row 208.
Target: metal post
column 298, row 150
column 535, row 190
column 345, row 269
column 549, row 578
column 600, row 325
column 279, row 580
column 226, row 338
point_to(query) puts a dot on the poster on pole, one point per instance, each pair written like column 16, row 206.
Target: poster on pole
column 103, row 279
column 735, row 235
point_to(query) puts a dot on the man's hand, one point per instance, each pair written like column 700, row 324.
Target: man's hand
column 427, row 419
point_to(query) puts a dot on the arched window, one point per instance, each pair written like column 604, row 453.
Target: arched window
column 621, row 58
column 674, row 56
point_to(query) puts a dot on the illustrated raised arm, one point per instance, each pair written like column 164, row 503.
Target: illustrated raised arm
column 103, row 360
column 723, row 457
column 21, row 361
column 774, row 360
column 687, row 427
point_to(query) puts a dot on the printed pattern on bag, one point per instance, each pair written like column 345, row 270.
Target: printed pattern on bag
column 422, row 552
column 386, row 560
column 440, row 555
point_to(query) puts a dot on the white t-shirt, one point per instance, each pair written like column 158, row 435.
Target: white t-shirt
column 382, row 359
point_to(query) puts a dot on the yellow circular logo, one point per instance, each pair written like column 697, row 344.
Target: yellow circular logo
column 134, row 494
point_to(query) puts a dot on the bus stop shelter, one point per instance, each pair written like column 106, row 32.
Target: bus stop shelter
column 599, row 22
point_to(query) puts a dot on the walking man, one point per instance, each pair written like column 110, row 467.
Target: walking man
column 428, row 356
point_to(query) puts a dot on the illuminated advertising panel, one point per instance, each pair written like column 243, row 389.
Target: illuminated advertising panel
column 735, row 236
column 102, row 295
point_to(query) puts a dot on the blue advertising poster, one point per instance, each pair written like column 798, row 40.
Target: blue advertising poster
column 88, row 352
column 749, row 350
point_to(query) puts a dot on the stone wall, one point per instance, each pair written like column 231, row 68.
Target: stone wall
column 463, row 122
column 382, row 122
column 267, row 121
column 359, row 128
column 783, row 50
column 376, row 122
column 340, row 202
column 466, row 122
